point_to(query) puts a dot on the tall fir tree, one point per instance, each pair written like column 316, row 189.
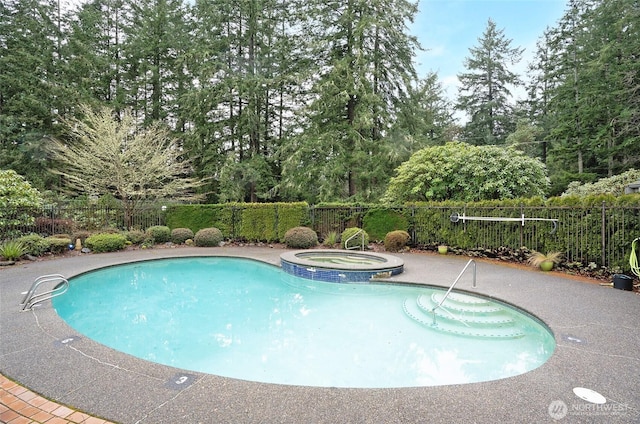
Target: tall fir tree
column 485, row 89
column 363, row 67
column 30, row 86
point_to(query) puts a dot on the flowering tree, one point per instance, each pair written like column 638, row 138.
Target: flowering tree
column 107, row 155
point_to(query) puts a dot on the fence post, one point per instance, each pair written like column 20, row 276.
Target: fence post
column 603, row 234
column 414, row 236
column 312, row 216
column 521, row 226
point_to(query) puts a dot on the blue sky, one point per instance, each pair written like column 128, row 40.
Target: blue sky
column 446, row 29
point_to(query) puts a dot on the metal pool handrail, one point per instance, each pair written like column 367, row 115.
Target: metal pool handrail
column 31, row 298
column 471, row 261
column 352, row 237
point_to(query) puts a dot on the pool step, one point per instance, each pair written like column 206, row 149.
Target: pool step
column 465, row 303
column 479, row 318
column 482, row 315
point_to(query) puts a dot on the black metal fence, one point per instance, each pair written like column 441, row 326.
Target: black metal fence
column 600, row 234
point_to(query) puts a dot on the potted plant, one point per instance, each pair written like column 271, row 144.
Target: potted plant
column 442, row 249
column 545, row 262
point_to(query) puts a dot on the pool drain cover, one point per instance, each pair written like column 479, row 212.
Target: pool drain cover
column 589, row 395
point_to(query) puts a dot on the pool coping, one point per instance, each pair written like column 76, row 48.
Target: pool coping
column 390, row 261
column 597, row 331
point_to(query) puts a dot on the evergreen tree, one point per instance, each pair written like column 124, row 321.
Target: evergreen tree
column 590, row 103
column 363, row 68
column 156, row 43
column 245, row 61
column 424, row 118
column 485, row 91
column 30, row 92
column 95, row 55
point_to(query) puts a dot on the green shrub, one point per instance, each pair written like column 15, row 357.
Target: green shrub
column 159, row 233
column 11, row 250
column 106, row 242
column 136, row 236
column 356, row 241
column 58, row 243
column 300, row 238
column 18, row 202
column 181, row 235
column 208, row 237
column 34, row 244
column 397, row 240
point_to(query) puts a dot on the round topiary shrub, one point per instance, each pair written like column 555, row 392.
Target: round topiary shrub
column 396, row 240
column 136, row 236
column 181, row 235
column 300, row 238
column 355, row 241
column 208, row 237
column 159, row 233
column 106, row 242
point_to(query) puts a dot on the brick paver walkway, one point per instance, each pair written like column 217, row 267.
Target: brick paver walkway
column 19, row 405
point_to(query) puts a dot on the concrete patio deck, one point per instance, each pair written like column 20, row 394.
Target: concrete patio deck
column 597, row 330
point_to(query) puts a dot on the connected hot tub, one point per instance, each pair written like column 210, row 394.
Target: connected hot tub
column 340, row 266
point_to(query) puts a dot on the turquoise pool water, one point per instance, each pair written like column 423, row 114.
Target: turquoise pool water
column 249, row 320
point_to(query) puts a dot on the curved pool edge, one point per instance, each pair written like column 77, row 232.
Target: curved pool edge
column 86, row 381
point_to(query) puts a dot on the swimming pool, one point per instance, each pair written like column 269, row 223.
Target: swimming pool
column 249, row 320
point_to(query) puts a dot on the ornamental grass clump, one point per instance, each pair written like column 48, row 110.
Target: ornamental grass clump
column 12, row 250
column 545, row 262
column 331, row 239
column 396, row 240
column 300, row 238
column 208, row 237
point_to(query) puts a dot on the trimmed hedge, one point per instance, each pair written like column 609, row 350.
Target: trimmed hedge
column 249, row 221
column 58, row 244
column 197, row 217
column 106, row 242
column 378, row 222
